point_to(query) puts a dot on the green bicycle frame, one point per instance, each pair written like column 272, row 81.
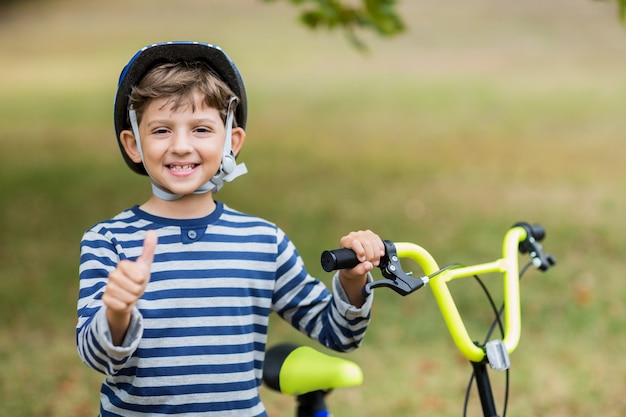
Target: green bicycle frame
column 507, row 265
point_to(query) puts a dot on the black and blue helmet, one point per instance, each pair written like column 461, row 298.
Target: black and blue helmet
column 160, row 53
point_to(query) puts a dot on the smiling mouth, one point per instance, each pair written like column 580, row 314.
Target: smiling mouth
column 182, row 168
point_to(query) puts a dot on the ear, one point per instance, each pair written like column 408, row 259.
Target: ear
column 127, row 138
column 238, row 138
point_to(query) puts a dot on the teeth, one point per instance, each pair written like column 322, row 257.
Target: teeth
column 182, row 167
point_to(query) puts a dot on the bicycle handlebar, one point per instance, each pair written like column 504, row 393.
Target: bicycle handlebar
column 521, row 237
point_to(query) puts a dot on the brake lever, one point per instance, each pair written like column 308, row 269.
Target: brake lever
column 395, row 278
column 542, row 261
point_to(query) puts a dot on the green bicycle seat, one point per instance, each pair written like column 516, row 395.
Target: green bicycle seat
column 297, row 370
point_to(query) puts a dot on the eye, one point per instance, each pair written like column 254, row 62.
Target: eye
column 160, row 131
column 203, row 130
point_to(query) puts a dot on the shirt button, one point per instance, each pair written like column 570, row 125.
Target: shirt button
column 191, row 234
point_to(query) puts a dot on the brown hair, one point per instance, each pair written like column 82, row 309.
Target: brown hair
column 178, row 81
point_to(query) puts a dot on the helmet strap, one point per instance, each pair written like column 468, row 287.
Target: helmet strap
column 229, row 169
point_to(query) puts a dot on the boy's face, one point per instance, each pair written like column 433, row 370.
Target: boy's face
column 182, row 149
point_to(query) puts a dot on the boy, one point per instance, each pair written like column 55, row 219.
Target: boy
column 175, row 294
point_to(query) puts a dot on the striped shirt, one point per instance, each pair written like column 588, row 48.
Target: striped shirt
column 196, row 342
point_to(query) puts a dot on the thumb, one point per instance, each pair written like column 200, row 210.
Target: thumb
column 149, row 245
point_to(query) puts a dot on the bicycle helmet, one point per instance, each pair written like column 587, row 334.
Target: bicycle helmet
column 159, row 53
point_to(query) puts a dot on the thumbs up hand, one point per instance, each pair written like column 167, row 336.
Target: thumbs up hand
column 126, row 285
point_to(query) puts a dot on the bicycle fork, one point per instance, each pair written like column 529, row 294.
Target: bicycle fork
column 484, row 389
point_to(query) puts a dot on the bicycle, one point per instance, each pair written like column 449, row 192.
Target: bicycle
column 289, row 367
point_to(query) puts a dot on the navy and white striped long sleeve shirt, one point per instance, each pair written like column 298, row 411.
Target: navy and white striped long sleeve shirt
column 196, row 342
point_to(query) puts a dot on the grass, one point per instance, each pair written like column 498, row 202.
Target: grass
column 445, row 137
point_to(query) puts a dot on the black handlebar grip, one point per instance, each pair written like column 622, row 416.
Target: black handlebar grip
column 538, row 232
column 339, row 259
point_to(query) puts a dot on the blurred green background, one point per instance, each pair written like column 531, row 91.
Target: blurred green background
column 482, row 114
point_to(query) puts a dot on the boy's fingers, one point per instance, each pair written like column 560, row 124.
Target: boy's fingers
column 366, row 244
column 149, row 246
column 113, row 303
column 120, row 282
